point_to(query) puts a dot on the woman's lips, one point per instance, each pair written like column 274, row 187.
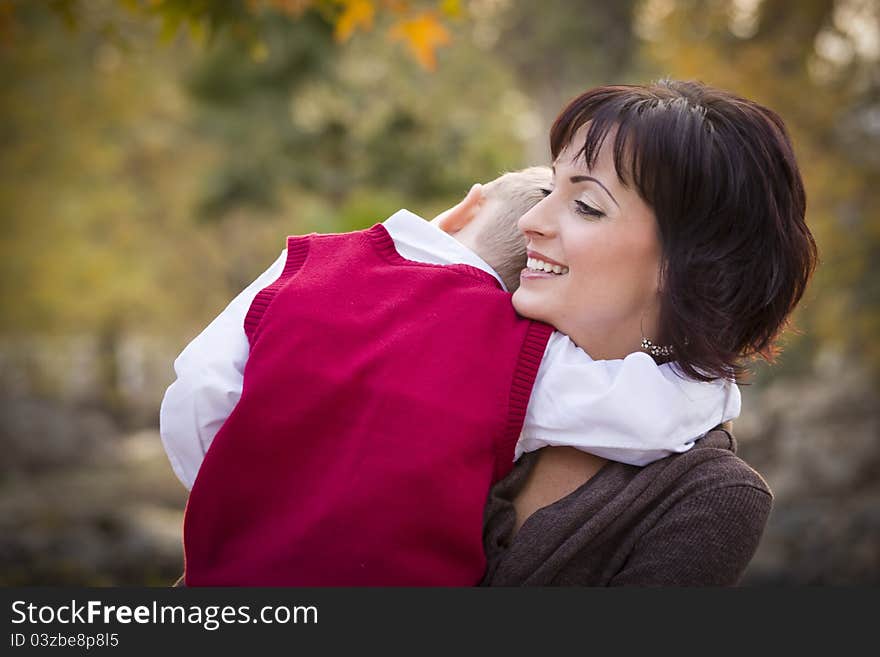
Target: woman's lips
column 531, row 274
column 540, row 256
column 540, row 266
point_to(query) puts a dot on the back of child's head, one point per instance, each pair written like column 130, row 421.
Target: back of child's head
column 506, row 199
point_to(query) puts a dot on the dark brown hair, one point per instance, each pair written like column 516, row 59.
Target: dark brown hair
column 720, row 174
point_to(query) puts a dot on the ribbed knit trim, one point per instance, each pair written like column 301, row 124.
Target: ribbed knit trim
column 384, row 244
column 530, row 356
column 297, row 250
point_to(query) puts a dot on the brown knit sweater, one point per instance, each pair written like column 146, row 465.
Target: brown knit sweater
column 692, row 519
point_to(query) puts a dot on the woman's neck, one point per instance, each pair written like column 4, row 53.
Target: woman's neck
column 615, row 340
column 611, row 345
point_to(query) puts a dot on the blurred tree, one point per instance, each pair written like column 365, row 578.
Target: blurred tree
column 88, row 199
column 312, row 118
column 559, row 48
column 245, row 106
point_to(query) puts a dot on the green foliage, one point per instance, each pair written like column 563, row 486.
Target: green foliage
column 327, row 120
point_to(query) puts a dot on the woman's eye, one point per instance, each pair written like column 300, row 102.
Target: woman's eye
column 587, row 210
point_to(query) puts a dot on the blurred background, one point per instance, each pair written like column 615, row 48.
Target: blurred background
column 156, row 153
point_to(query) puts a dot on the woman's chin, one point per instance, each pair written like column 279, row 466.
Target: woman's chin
column 526, row 303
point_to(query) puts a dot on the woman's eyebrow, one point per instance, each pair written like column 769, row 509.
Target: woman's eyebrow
column 579, row 179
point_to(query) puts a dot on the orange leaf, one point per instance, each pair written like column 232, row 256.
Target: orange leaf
column 357, row 13
column 422, row 35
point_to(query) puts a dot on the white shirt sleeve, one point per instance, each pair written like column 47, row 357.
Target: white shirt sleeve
column 628, row 410
column 209, row 371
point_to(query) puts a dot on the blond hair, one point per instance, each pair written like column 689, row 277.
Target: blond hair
column 507, row 198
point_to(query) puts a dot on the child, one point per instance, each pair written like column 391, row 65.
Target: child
column 378, row 408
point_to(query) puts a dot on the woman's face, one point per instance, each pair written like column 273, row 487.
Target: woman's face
column 604, row 240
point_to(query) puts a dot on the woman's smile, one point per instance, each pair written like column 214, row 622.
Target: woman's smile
column 540, row 266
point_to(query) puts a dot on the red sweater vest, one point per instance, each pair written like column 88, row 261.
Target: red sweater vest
column 382, row 398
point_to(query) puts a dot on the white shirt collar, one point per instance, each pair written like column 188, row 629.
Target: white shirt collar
column 422, row 241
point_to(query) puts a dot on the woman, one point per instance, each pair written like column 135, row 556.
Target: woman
column 678, row 211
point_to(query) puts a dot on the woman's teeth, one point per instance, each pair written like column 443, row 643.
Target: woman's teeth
column 540, row 265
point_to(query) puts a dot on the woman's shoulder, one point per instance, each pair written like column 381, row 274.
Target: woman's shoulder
column 710, row 464
column 637, row 525
column 707, row 502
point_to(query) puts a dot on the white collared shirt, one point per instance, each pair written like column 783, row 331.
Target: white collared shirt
column 629, row 410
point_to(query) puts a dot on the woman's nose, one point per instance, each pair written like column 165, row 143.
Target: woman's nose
column 536, row 221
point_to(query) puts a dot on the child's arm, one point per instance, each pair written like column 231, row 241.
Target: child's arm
column 209, row 373
column 628, row 410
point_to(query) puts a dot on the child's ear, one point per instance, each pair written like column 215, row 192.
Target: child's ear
column 460, row 215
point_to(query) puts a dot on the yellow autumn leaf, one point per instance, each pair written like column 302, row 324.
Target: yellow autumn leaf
column 356, row 13
column 422, row 35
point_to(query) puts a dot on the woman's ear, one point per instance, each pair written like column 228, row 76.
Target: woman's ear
column 460, row 215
